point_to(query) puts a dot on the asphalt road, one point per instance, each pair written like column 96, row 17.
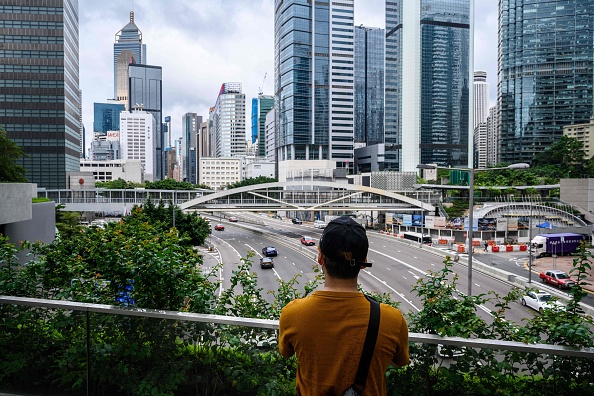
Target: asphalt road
column 397, row 266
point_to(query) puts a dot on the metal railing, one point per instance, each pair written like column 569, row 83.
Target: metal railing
column 558, row 350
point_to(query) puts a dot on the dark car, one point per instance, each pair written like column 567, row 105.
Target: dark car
column 308, row 241
column 269, row 251
column 219, row 227
column 277, row 217
column 295, row 220
column 266, row 262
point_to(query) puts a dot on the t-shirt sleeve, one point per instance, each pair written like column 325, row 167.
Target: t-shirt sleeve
column 401, row 357
column 284, row 345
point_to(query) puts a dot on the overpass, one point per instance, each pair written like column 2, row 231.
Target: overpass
column 279, row 196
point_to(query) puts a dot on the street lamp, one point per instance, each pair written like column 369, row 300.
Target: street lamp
column 471, row 204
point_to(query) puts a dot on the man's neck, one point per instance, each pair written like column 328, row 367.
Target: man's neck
column 340, row 285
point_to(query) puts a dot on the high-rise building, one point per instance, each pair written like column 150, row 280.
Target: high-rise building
column 428, row 75
column 137, row 139
column 481, row 97
column 480, row 146
column 39, row 86
column 369, row 85
column 228, row 122
column 190, row 124
column 145, row 92
column 106, row 147
column 260, row 107
column 127, row 49
column 492, row 137
column 314, row 79
column 107, row 117
column 546, row 72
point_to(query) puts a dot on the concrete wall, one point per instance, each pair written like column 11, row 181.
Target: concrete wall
column 578, row 192
column 41, row 227
column 15, row 201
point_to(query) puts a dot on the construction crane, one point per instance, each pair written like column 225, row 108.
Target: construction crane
column 261, row 88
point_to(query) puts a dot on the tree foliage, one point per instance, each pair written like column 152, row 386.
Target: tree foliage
column 168, row 184
column 10, row 171
column 192, row 228
column 251, row 181
column 118, row 184
column 67, row 223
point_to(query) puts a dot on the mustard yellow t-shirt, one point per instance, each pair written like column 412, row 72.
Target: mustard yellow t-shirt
column 326, row 330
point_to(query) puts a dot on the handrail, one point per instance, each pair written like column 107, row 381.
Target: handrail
column 560, row 350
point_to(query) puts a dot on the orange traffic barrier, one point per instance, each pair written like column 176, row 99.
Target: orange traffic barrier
column 509, row 248
column 442, row 241
column 461, row 248
column 523, row 248
column 494, row 249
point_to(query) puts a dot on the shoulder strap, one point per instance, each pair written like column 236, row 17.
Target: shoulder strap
column 369, row 344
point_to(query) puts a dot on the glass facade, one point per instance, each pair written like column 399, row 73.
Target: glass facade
column 127, row 49
column 39, row 87
column 145, row 91
column 107, row 117
column 260, row 107
column 369, row 85
column 314, row 79
column 228, row 122
column 427, row 83
column 190, row 124
column 546, row 73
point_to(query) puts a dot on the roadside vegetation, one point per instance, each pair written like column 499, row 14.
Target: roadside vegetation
column 166, row 184
column 143, row 261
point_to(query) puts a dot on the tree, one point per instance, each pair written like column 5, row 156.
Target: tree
column 251, row 181
column 67, row 223
column 10, row 171
column 117, row 184
column 168, row 184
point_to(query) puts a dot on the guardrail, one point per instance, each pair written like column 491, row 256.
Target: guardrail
column 558, row 350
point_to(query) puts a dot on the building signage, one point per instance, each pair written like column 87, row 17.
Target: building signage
column 113, row 136
column 512, row 224
column 502, row 225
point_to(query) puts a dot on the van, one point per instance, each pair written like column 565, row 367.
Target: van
column 319, row 224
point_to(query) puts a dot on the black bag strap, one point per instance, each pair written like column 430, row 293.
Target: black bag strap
column 369, row 344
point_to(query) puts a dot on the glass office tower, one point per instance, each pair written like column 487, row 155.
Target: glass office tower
column 428, row 83
column 145, row 92
column 39, row 86
column 260, row 107
column 107, row 117
column 127, row 49
column 545, row 71
column 369, row 85
column 314, row 79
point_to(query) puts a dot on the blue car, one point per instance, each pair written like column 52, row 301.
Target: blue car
column 269, row 251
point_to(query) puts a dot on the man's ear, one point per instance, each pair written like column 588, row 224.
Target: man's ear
column 320, row 258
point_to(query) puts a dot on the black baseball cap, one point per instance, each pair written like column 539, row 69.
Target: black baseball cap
column 344, row 234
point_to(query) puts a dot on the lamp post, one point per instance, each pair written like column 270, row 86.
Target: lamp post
column 471, row 204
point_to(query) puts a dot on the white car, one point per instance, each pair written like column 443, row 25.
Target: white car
column 540, row 301
column 319, row 224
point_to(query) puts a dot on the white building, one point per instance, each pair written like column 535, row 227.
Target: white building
column 493, row 137
column 252, row 167
column 228, row 122
column 129, row 170
column 481, row 97
column 137, row 139
column 480, row 145
column 218, row 172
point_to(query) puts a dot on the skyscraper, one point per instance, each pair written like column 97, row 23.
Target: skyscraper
column 492, row 137
column 481, row 97
column 546, row 68
column 127, row 49
column 190, row 125
column 228, row 122
column 145, row 91
column 137, row 138
column 428, row 75
column 314, row 80
column 39, row 86
column 369, row 85
column 260, row 107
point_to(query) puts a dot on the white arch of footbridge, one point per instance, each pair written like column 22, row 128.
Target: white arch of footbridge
column 306, row 196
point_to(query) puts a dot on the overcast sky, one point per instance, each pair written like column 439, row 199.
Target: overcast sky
column 201, row 44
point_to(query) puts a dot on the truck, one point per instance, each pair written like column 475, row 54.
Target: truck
column 557, row 278
column 555, row 244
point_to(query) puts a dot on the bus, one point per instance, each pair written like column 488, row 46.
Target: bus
column 417, row 237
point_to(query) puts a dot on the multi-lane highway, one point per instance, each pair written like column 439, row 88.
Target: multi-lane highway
column 397, row 265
